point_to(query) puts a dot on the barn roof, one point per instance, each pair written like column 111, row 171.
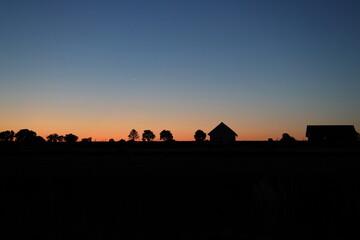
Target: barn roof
column 330, row 130
column 222, row 127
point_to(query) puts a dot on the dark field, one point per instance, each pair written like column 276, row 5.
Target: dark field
column 250, row 190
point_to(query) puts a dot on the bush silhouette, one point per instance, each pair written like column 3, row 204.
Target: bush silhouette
column 200, row 136
column 53, row 137
column 71, row 138
column 86, row 140
column 286, row 138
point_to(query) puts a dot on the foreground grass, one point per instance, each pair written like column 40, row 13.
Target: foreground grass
column 180, row 191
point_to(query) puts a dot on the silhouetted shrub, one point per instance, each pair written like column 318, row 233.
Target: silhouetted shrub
column 286, row 138
column 71, row 138
column 53, row 137
column 200, row 136
column 86, row 140
column 111, row 140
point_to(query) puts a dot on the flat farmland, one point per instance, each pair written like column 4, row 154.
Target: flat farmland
column 249, row 190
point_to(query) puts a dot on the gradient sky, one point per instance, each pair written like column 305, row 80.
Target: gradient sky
column 101, row 68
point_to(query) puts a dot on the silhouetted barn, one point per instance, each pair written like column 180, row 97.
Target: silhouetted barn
column 222, row 134
column 331, row 133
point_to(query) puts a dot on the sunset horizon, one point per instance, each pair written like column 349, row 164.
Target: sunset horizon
column 178, row 135
column 99, row 70
column 245, row 113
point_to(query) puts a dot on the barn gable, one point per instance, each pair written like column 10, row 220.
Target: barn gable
column 222, row 134
column 331, row 133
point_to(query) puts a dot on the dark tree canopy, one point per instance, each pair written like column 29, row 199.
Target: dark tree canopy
column 148, row 135
column 39, row 139
column 166, row 135
column 61, row 138
column 133, row 135
column 71, row 138
column 200, row 136
column 25, row 136
column 53, row 137
column 7, row 136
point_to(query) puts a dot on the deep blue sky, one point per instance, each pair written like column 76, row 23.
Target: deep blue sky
column 101, row 68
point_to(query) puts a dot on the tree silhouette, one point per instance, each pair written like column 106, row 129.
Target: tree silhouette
column 148, row 135
column 166, row 135
column 61, row 138
column 25, row 136
column 200, row 136
column 286, row 138
column 7, row 136
column 71, row 138
column 53, row 137
column 39, row 139
column 133, row 135
column 111, row 140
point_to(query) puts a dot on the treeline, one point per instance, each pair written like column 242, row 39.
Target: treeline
column 29, row 136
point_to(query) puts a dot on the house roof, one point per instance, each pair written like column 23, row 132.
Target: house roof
column 330, row 130
column 222, row 127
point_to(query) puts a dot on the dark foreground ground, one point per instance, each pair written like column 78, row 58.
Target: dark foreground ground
column 179, row 191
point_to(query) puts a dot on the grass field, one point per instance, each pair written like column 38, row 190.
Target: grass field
column 180, row 190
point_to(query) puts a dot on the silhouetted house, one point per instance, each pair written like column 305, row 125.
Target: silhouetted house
column 222, row 134
column 331, row 133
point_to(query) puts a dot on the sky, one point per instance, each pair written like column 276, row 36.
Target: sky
column 101, row 68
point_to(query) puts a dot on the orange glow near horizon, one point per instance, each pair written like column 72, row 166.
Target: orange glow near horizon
column 104, row 132
column 103, row 124
column 178, row 66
